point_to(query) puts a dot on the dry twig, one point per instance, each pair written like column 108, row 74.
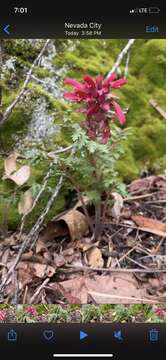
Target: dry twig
column 73, row 268
column 121, row 56
column 32, row 236
column 35, row 295
column 158, row 108
column 45, row 181
column 10, row 108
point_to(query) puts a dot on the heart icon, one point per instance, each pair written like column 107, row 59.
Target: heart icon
column 48, row 334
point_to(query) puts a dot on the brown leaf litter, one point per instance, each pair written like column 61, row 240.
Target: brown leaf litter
column 127, row 265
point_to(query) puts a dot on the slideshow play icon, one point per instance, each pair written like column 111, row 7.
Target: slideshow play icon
column 83, row 335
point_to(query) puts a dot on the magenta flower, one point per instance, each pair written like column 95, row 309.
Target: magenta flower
column 159, row 312
column 98, row 101
column 3, row 315
column 30, row 310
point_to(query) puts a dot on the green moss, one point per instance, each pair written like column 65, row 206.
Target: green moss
column 127, row 167
column 42, row 72
column 12, row 216
column 22, row 48
column 15, row 127
column 134, row 97
column 155, row 130
column 161, row 164
column 154, row 65
column 160, row 97
column 57, row 207
column 62, row 138
column 1, row 167
column 38, row 90
column 7, row 187
column 98, row 52
column 144, row 150
column 8, row 202
column 62, row 105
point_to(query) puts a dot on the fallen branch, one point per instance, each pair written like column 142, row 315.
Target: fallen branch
column 53, row 153
column 32, row 237
column 33, row 234
column 33, row 298
column 152, row 226
column 162, row 201
column 136, row 263
column 109, row 270
column 121, row 56
column 121, row 297
column 10, row 108
column 45, row 181
column 127, row 64
column 146, row 229
column 139, row 197
column 158, row 108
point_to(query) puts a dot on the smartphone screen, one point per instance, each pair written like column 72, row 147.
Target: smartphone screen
column 82, row 181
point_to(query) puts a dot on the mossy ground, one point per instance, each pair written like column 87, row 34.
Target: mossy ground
column 145, row 147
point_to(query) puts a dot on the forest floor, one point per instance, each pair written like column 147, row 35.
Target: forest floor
column 127, row 265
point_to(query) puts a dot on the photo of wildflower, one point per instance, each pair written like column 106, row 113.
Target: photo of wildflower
column 83, row 177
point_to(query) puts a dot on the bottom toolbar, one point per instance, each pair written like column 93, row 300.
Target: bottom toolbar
column 116, row 340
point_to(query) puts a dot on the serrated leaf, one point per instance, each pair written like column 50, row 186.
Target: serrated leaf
column 93, row 195
column 92, row 147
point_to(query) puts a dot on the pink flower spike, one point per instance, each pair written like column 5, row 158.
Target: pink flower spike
column 105, row 136
column 3, row 315
column 105, row 106
column 118, row 83
column 119, row 112
column 92, row 110
column 31, row 311
column 99, row 80
column 70, row 96
column 159, row 312
column 96, row 96
column 92, row 134
column 74, row 83
column 111, row 78
column 89, row 80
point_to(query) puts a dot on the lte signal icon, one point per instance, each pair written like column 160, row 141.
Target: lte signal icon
column 153, row 335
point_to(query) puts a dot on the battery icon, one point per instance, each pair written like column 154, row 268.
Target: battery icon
column 154, row 10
